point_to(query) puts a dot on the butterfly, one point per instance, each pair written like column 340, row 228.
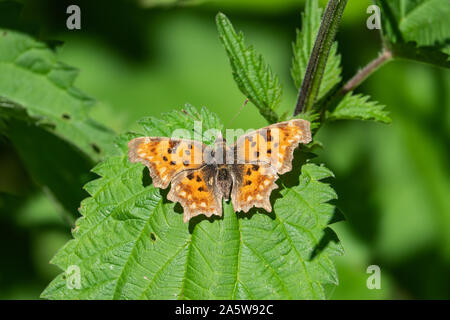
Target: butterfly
column 201, row 176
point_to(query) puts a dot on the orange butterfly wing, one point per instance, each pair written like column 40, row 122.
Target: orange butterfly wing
column 274, row 144
column 196, row 191
column 166, row 157
column 262, row 155
column 252, row 186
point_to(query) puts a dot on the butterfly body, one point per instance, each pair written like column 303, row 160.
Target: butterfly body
column 201, row 176
column 224, row 180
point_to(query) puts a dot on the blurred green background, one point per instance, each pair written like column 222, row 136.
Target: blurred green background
column 141, row 58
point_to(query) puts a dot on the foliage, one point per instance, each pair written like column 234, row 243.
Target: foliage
column 198, row 264
column 253, row 77
column 32, row 77
column 418, row 30
column 42, row 113
column 303, row 47
column 359, row 107
column 130, row 241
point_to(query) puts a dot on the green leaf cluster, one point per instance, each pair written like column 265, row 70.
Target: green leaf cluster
column 255, row 78
column 130, row 242
column 33, row 78
column 47, row 120
column 417, row 29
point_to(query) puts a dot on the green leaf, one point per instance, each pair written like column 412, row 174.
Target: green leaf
column 309, row 115
column 446, row 50
column 303, row 47
column 253, row 77
column 188, row 118
column 358, row 107
column 31, row 76
column 430, row 55
column 423, row 21
column 417, row 29
column 131, row 243
column 52, row 162
column 427, row 23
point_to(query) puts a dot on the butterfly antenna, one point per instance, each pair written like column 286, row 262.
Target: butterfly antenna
column 237, row 113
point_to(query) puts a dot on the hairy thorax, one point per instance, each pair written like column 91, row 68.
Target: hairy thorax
column 224, row 180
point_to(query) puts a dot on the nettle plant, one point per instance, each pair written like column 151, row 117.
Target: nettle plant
column 131, row 242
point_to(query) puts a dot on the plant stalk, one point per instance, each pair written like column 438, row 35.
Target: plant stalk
column 319, row 55
column 365, row 72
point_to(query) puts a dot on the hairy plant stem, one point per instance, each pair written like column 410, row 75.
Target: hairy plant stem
column 329, row 102
column 365, row 72
column 319, row 55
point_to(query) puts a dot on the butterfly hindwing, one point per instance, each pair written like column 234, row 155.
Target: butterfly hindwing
column 252, row 186
column 166, row 157
column 196, row 191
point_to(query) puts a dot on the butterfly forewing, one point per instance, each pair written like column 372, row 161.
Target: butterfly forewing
column 166, row 157
column 274, row 144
